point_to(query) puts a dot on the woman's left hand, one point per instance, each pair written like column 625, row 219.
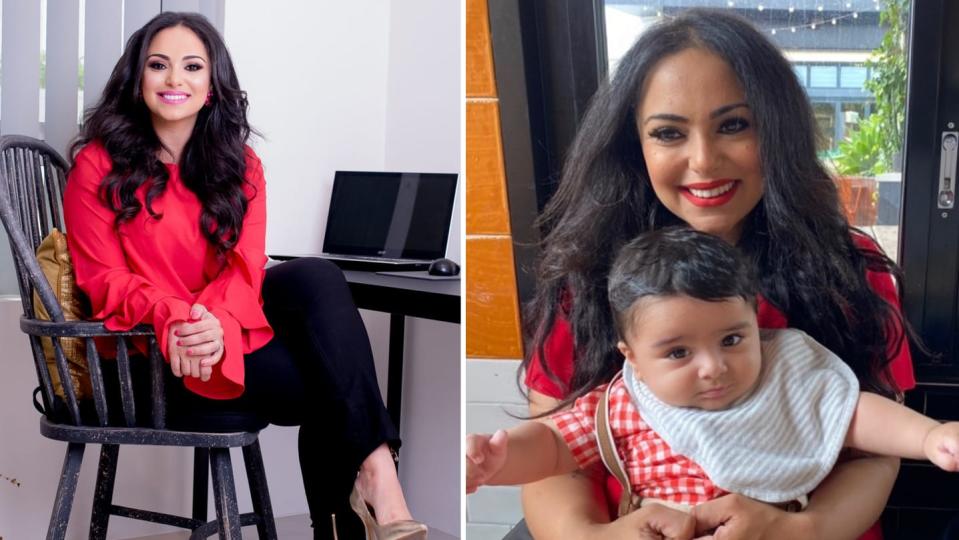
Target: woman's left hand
column 201, row 342
column 735, row 517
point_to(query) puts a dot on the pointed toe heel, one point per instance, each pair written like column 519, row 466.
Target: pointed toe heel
column 406, row 529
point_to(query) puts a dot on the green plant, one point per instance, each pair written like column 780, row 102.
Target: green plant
column 861, row 153
column 879, row 138
column 888, row 81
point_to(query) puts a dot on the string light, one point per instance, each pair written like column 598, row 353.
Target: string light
column 761, row 7
column 819, row 8
column 792, row 9
column 815, row 24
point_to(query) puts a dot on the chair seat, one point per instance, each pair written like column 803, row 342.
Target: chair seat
column 144, row 436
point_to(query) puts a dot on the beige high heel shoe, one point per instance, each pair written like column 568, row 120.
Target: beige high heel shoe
column 406, row 529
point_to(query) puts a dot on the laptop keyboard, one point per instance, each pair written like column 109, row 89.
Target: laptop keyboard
column 376, row 259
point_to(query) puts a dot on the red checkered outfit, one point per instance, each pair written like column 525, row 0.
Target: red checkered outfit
column 654, row 470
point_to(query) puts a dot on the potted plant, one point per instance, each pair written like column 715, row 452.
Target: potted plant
column 875, row 147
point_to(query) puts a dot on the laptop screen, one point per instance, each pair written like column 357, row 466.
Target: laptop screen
column 392, row 215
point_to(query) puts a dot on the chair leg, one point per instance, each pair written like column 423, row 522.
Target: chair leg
column 259, row 492
column 103, row 494
column 68, row 486
column 224, row 494
column 201, row 474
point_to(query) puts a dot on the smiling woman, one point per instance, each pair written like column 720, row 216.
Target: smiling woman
column 700, row 142
column 176, row 82
column 704, row 123
column 166, row 210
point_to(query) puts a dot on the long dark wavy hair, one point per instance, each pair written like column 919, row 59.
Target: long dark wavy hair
column 808, row 262
column 213, row 162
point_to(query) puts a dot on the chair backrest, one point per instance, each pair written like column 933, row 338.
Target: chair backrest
column 32, row 182
column 32, row 179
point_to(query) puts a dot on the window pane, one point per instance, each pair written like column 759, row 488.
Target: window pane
column 852, row 77
column 822, row 76
column 826, row 120
column 837, row 53
column 800, row 74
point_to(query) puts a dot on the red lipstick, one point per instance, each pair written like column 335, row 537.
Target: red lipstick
column 722, row 190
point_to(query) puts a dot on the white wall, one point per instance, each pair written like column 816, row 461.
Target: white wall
column 316, row 76
column 493, row 401
column 366, row 85
column 424, row 96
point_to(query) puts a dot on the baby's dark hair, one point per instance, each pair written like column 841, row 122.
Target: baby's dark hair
column 677, row 261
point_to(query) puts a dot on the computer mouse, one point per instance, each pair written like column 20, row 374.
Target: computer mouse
column 443, row 267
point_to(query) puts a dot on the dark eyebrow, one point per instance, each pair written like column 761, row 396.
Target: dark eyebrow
column 682, row 119
column 667, row 341
column 741, row 326
column 188, row 57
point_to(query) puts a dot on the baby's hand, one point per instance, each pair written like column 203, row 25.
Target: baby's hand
column 942, row 446
column 485, row 456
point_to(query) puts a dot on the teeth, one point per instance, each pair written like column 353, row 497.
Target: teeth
column 173, row 97
column 710, row 193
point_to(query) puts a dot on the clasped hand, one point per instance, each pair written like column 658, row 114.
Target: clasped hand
column 195, row 346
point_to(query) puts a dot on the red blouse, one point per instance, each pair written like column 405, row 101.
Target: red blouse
column 559, row 352
column 153, row 270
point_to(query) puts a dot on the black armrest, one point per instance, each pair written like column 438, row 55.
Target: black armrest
column 88, row 330
column 36, row 327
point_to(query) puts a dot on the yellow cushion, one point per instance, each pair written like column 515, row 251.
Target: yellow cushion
column 56, row 266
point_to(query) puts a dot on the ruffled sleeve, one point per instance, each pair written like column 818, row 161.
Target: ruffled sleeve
column 233, row 297
column 118, row 296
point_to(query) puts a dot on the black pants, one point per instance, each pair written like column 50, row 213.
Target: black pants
column 316, row 373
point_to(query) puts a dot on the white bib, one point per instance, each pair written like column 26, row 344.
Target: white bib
column 778, row 443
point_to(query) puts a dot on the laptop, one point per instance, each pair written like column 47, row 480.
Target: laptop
column 385, row 221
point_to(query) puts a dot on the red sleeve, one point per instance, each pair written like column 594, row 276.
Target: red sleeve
column 121, row 298
column 578, row 427
column 901, row 365
column 558, row 354
column 233, row 297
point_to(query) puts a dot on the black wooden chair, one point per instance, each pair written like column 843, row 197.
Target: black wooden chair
column 32, row 181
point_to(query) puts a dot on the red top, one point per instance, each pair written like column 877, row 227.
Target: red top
column 558, row 350
column 153, row 270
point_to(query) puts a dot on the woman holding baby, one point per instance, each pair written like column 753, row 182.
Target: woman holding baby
column 705, row 124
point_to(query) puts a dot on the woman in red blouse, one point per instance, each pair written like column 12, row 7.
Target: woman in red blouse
column 705, row 123
column 166, row 212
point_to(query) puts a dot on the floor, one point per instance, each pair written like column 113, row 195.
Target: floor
column 287, row 528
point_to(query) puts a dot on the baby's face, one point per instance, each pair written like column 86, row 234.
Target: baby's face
column 694, row 353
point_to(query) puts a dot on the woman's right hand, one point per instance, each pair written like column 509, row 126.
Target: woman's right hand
column 653, row 521
column 196, row 346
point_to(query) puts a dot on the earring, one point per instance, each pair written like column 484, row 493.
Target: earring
column 209, row 98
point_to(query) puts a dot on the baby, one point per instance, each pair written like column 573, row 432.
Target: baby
column 707, row 403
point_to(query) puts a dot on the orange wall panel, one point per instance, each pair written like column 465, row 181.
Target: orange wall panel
column 479, row 54
column 487, row 210
column 492, row 307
